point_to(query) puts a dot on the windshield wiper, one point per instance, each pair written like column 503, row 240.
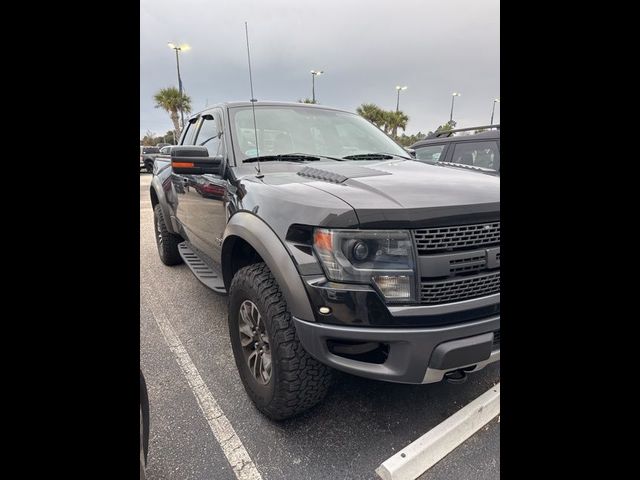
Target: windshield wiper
column 374, row 156
column 289, row 157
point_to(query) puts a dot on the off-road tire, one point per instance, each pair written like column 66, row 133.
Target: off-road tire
column 166, row 241
column 298, row 381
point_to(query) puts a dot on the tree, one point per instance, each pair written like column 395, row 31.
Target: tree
column 148, row 139
column 169, row 99
column 388, row 120
column 307, row 100
column 447, row 127
column 394, row 120
column 373, row 113
column 408, row 140
column 170, row 137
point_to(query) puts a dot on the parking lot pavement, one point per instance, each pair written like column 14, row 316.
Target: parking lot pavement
column 478, row 458
column 359, row 425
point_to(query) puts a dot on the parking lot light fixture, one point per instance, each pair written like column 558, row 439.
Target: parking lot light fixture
column 399, row 89
column 495, row 100
column 313, row 83
column 453, row 98
column 179, row 48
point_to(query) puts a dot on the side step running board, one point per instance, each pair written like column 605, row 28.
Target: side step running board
column 201, row 270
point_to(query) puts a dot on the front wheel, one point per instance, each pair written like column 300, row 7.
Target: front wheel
column 280, row 377
column 166, row 241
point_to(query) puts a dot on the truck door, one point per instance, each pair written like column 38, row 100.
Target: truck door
column 209, row 193
column 183, row 185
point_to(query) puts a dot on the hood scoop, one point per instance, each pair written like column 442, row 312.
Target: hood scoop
column 339, row 173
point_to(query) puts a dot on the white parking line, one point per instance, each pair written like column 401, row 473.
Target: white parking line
column 231, row 445
column 419, row 456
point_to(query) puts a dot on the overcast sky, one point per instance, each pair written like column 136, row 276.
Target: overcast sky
column 366, row 48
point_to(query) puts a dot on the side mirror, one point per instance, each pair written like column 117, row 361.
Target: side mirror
column 411, row 152
column 194, row 160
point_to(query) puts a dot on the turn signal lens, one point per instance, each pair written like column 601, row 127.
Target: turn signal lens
column 394, row 287
column 323, row 239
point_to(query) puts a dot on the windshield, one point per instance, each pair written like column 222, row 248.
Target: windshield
column 312, row 131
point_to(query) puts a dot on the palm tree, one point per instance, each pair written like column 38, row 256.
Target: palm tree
column 170, row 100
column 372, row 112
column 394, row 120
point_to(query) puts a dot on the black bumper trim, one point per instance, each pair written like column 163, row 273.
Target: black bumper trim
column 410, row 349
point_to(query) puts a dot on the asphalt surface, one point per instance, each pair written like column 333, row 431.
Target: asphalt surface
column 360, row 424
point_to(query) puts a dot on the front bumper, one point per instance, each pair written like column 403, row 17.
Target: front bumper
column 414, row 355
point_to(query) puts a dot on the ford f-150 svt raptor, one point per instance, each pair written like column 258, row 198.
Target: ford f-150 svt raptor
column 336, row 249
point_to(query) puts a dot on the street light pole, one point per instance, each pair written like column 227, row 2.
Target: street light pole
column 313, row 83
column 179, row 48
column 399, row 88
column 495, row 100
column 453, row 97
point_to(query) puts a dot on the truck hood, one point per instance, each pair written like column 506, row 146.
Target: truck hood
column 400, row 193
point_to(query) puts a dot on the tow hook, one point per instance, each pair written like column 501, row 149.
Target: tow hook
column 456, row 377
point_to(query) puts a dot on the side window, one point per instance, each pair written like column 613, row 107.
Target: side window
column 209, row 136
column 478, row 154
column 429, row 153
column 187, row 138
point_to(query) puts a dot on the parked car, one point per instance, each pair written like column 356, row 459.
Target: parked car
column 160, row 145
column 147, row 157
column 479, row 152
column 337, row 250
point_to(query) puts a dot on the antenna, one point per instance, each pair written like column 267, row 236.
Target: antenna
column 253, row 103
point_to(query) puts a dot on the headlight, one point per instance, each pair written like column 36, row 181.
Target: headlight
column 383, row 258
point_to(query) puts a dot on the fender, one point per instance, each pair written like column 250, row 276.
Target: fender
column 170, row 221
column 257, row 233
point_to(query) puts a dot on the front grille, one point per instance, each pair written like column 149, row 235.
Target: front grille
column 460, row 288
column 496, row 338
column 470, row 264
column 431, row 240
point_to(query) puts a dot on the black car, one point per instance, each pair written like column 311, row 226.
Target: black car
column 336, row 248
column 147, row 157
column 479, row 151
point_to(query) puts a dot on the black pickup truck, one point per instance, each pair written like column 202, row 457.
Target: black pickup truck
column 336, row 249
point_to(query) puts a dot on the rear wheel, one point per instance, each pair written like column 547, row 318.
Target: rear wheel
column 166, row 241
column 149, row 167
column 280, row 377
